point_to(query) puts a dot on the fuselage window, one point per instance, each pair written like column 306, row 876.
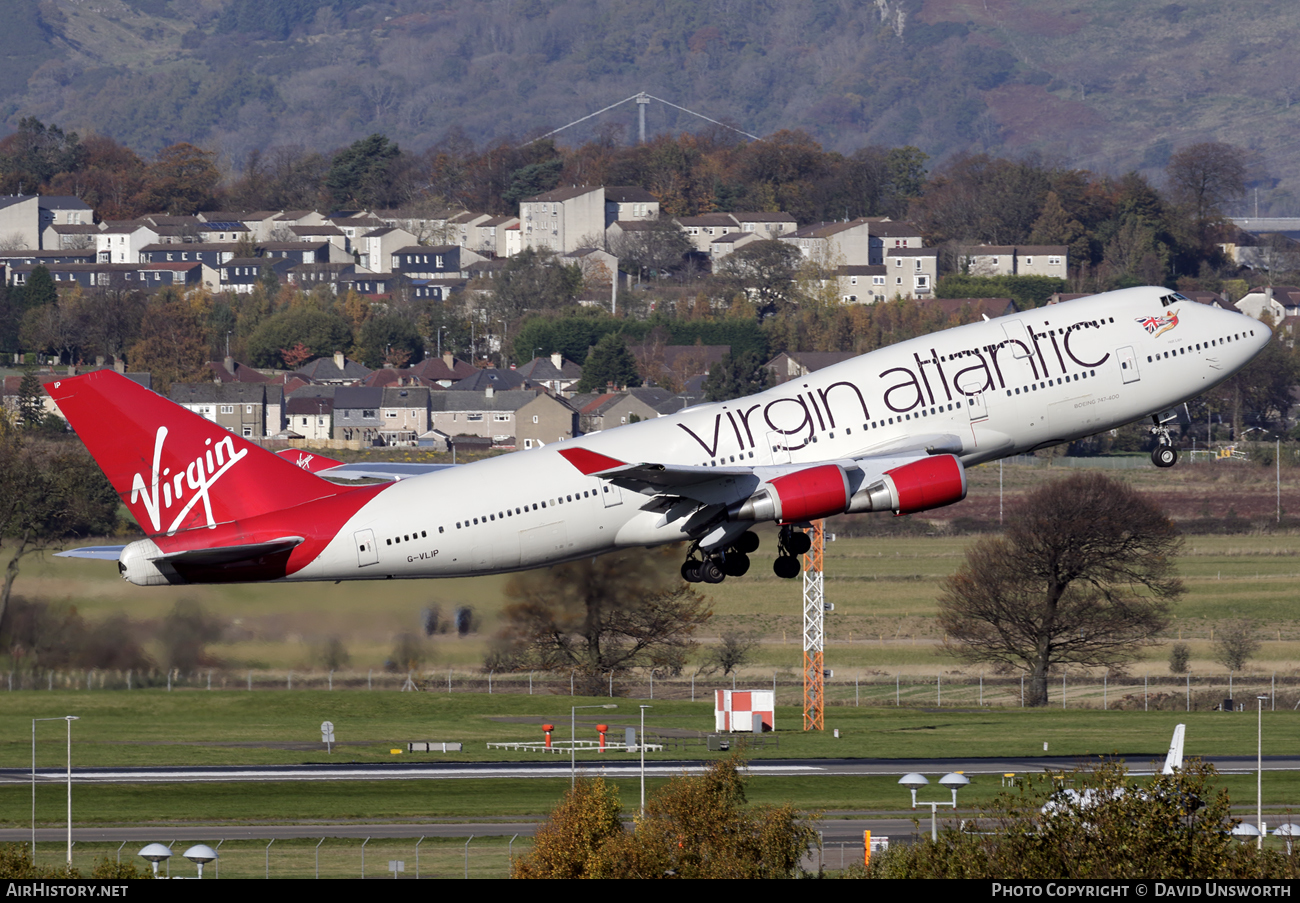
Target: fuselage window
column 389, row 541
column 440, row 530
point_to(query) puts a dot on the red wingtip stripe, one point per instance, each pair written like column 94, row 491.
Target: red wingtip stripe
column 589, row 462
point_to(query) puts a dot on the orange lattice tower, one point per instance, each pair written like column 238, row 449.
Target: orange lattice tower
column 814, row 632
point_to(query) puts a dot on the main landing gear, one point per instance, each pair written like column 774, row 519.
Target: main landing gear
column 733, row 561
column 792, row 543
column 718, row 565
column 1164, row 454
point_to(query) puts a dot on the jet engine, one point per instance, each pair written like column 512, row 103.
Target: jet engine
column 917, row 486
column 829, row 489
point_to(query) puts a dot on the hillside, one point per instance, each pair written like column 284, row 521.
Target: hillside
column 1108, row 86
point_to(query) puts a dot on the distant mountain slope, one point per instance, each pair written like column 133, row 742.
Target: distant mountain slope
column 1108, row 85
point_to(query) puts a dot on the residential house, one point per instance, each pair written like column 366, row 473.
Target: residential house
column 462, row 229
column 795, row 364
column 309, row 275
column 188, row 275
column 1016, row 260
column 223, row 231
column 238, row 407
column 1277, row 302
column 629, row 203
column 357, row 414
column 443, row 371
column 598, row 267
column 613, row 409
column 490, row 414
column 834, row 244
column 863, row 284
column 124, row 242
column 556, row 373
column 311, row 417
column 212, row 254
column 230, row 370
column 493, row 378
column 705, row 228
column 334, row 371
column 912, row 272
column 544, row 420
column 377, row 247
column 564, row 219
column 766, row 225
column 437, row 262
column 888, row 235
column 490, row 235
column 63, row 210
column 404, row 413
column 58, row 237
column 730, row 243
column 241, row 274
column 322, row 232
column 305, row 251
column 20, row 221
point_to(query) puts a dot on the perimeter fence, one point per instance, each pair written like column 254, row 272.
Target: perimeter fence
column 1082, row 690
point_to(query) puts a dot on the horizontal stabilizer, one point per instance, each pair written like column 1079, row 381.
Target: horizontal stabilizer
column 230, row 554
column 380, row 470
column 308, row 461
column 99, row 553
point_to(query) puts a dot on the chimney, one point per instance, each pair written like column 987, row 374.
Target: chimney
column 338, row 360
column 557, row 360
column 229, row 363
column 119, row 365
column 489, row 391
column 448, row 359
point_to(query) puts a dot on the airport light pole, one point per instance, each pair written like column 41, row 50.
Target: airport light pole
column 954, row 781
column 642, row 745
column 69, row 719
column 573, row 738
column 1259, row 772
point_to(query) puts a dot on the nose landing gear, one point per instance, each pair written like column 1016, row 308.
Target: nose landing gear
column 1164, row 454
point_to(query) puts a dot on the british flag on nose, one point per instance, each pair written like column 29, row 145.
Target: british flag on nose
column 1156, row 325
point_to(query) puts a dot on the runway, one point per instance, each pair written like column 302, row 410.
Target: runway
column 623, row 765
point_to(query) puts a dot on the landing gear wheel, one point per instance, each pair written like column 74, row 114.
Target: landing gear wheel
column 736, row 564
column 691, row 571
column 787, row 567
column 1164, row 456
column 797, row 543
column 747, row 543
column 710, row 572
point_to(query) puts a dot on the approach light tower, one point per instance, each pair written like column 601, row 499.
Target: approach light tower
column 814, row 631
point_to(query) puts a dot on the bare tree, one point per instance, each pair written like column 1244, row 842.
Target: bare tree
column 1083, row 576
column 597, row 615
column 734, row 651
column 1235, row 643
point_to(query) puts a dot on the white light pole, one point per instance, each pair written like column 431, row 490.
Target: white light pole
column 954, row 781
column 573, row 739
column 1259, row 772
column 642, row 745
column 69, row 719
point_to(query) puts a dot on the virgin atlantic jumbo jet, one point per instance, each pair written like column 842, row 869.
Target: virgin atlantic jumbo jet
column 890, row 431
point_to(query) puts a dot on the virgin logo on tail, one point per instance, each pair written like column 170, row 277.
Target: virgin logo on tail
column 198, row 477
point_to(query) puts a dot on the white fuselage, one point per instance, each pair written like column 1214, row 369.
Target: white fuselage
column 982, row 391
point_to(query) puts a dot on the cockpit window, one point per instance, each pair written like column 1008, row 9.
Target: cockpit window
column 1173, row 298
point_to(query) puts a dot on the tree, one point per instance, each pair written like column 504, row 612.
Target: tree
column 1111, row 827
column 732, row 652
column 609, row 363
column 50, row 492
column 1203, row 177
column 173, row 343
column 186, row 631
column 1235, row 643
column 533, row 279
column 362, row 173
column 181, row 180
column 596, row 615
column 657, row 247
column 1084, row 575
column 764, row 272
column 697, row 826
column 1179, row 655
column 736, row 376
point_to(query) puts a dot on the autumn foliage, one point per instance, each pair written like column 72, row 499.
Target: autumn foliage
column 698, row 826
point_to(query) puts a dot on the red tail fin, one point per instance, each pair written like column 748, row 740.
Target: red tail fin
column 173, row 469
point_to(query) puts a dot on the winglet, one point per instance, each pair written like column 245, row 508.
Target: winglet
column 589, row 462
column 308, row 461
column 1174, row 760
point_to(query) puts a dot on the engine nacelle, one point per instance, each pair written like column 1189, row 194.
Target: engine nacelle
column 136, row 565
column 917, row 486
column 808, row 494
